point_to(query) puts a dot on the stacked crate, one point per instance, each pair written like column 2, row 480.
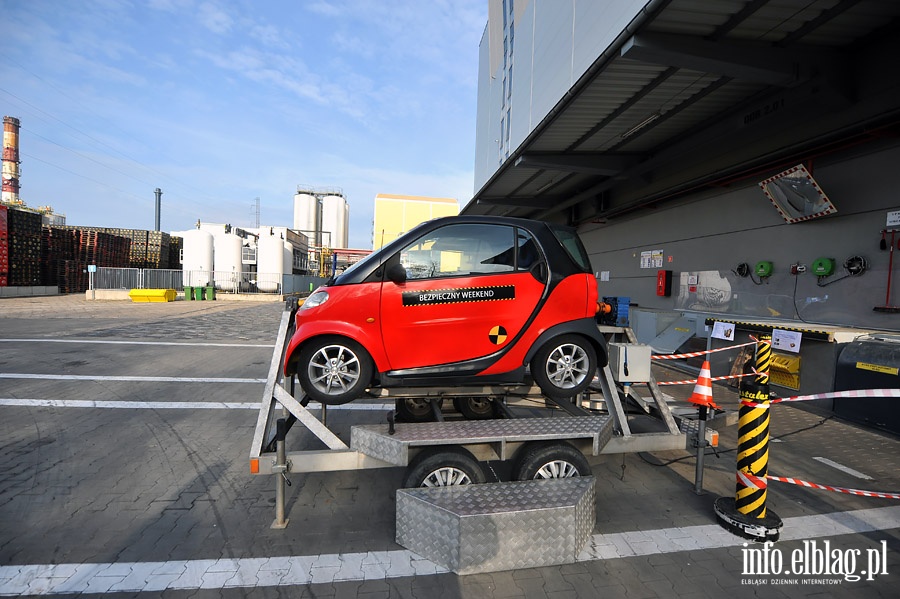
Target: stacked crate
column 67, row 251
column 4, row 246
column 147, row 249
column 21, row 248
column 103, row 249
column 175, row 246
column 57, row 247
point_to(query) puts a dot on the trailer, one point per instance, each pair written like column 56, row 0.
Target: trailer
column 537, row 509
column 513, row 424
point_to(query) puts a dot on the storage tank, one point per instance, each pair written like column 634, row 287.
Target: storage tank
column 197, row 260
column 306, row 212
column 288, row 258
column 269, row 263
column 227, row 260
column 334, row 220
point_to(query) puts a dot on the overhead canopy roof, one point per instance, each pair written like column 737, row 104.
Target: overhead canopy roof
column 700, row 93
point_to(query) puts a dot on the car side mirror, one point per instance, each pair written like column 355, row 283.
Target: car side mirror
column 396, row 273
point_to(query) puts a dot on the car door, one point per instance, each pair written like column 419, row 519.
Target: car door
column 467, row 295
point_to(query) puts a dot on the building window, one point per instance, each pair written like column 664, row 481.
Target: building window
column 506, row 93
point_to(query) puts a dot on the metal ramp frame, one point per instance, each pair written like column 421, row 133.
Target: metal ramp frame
column 372, row 446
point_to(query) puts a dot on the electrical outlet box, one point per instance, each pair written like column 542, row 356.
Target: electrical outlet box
column 629, row 362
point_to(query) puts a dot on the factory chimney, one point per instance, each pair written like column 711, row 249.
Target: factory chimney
column 158, row 206
column 10, row 186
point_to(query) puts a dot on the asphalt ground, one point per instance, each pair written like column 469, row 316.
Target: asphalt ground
column 125, row 431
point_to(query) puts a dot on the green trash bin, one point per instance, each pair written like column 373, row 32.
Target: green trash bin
column 198, row 293
column 211, row 293
column 188, row 293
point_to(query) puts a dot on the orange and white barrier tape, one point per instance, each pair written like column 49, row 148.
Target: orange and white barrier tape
column 803, row 483
column 715, row 378
column 697, row 353
column 750, row 481
column 832, row 395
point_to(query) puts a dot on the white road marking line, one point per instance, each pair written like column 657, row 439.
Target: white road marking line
column 130, row 379
column 136, row 405
column 99, row 578
column 713, row 536
column 842, row 468
column 105, row 342
column 166, row 405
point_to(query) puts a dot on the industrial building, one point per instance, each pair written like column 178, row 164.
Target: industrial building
column 397, row 214
column 728, row 162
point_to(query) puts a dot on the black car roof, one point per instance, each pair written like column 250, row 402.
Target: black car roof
column 540, row 229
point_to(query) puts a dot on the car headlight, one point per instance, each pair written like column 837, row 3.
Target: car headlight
column 316, row 299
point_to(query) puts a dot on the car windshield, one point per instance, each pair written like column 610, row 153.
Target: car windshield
column 375, row 257
column 570, row 241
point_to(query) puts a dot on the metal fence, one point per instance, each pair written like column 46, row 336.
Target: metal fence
column 224, row 282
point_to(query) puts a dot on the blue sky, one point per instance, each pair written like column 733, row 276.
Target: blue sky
column 218, row 103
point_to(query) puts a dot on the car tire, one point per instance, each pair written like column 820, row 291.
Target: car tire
column 545, row 461
column 414, row 409
column 476, row 408
column 443, row 468
column 564, row 366
column 334, row 370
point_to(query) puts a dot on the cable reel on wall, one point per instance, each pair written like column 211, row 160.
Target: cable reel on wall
column 763, row 270
column 854, row 265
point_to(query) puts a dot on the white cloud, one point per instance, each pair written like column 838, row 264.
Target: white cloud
column 268, row 35
column 214, row 18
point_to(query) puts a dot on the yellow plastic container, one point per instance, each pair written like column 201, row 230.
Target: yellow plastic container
column 152, row 295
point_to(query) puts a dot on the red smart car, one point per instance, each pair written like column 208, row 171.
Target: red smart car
column 464, row 300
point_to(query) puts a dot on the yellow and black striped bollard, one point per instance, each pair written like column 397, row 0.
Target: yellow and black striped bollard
column 746, row 514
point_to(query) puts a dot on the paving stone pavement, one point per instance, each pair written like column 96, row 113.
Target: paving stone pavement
column 159, row 502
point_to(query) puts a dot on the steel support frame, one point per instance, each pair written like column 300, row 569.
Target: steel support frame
column 277, row 402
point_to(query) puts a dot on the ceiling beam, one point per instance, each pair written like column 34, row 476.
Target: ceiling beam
column 608, row 165
column 746, row 61
column 518, row 201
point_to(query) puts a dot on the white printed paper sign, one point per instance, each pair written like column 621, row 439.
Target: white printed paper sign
column 723, row 330
column 786, row 340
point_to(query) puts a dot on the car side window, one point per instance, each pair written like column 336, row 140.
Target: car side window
column 461, row 250
column 527, row 248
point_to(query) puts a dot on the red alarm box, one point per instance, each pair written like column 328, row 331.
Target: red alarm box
column 664, row 283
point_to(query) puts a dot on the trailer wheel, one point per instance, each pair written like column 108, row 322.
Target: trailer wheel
column 415, row 409
column 558, row 460
column 443, row 468
column 475, row 408
column 334, row 370
column 565, row 366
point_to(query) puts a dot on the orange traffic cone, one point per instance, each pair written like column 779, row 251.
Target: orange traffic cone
column 702, row 395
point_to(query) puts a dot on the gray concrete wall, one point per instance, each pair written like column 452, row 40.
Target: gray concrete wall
column 32, row 291
column 708, row 234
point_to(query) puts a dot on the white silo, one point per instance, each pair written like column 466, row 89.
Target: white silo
column 346, row 225
column 288, row 258
column 306, row 211
column 269, row 263
column 227, row 260
column 334, row 220
column 197, row 259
